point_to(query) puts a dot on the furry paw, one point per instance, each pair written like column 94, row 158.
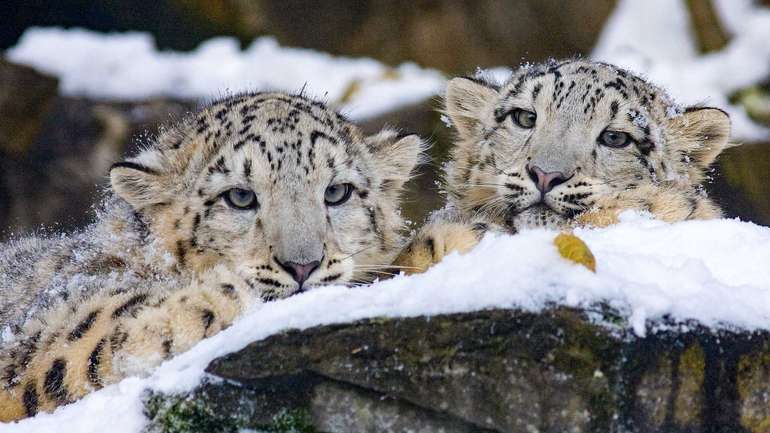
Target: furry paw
column 435, row 241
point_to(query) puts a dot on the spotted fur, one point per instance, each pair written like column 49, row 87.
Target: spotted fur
column 170, row 262
column 491, row 176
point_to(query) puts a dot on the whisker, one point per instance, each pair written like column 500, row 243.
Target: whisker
column 358, row 252
column 383, row 267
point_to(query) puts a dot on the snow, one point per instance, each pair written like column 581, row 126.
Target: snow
column 715, row 272
column 651, row 37
column 654, row 37
column 127, row 66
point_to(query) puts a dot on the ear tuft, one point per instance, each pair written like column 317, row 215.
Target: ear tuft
column 701, row 133
column 466, row 101
column 397, row 154
column 136, row 183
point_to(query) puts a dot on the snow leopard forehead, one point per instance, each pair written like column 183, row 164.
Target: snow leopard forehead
column 281, row 126
column 576, row 91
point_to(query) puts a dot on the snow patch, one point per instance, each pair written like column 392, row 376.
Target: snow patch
column 714, row 272
column 654, row 37
column 651, row 37
column 128, row 66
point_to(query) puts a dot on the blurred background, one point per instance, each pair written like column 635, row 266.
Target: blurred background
column 83, row 83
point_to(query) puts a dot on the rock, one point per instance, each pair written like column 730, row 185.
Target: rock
column 562, row 370
column 25, row 96
column 56, row 176
column 455, row 36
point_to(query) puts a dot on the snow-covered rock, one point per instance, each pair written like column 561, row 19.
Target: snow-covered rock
column 713, row 273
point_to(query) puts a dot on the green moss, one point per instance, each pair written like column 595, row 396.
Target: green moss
column 185, row 414
column 290, row 421
column 753, row 376
column 692, row 374
column 190, row 413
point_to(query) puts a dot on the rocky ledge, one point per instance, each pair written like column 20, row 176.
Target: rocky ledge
column 562, row 370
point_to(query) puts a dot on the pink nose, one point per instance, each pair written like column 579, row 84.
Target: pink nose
column 299, row 271
column 545, row 181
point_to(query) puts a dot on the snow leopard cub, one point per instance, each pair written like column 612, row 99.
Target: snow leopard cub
column 568, row 143
column 254, row 198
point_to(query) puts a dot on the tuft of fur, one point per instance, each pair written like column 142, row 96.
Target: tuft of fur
column 170, row 261
column 491, row 176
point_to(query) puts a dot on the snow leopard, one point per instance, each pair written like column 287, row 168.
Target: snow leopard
column 254, row 198
column 568, row 143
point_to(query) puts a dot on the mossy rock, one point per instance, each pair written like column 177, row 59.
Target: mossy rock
column 195, row 413
column 559, row 370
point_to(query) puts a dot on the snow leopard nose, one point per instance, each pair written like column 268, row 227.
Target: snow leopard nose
column 299, row 271
column 545, row 181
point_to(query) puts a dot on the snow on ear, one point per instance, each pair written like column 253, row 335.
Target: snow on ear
column 465, row 103
column 701, row 133
column 397, row 156
column 137, row 183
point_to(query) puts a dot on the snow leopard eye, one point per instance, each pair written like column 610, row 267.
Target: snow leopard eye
column 239, row 198
column 615, row 139
column 337, row 194
column 523, row 118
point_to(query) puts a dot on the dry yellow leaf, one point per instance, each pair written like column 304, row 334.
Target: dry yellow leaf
column 573, row 248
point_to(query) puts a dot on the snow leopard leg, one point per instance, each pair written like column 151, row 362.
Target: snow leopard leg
column 112, row 337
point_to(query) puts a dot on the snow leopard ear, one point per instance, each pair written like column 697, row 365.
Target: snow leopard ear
column 137, row 183
column 466, row 103
column 397, row 156
column 701, row 134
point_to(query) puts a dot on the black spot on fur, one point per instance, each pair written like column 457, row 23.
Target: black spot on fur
column 269, row 282
column 430, row 244
column 207, row 318
column 229, row 291
column 181, row 252
column 130, row 306
column 536, row 90
column 514, row 187
column 117, row 339
column 219, row 166
column 480, row 228
column 247, row 168
column 54, row 381
column 481, row 82
column 94, row 359
column 83, row 326
column 194, row 233
column 30, row 399
column 330, row 278
column 268, row 295
column 134, row 166
column 315, row 135
column 645, row 147
column 373, row 219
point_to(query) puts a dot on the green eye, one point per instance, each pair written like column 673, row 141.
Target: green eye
column 239, row 198
column 523, row 118
column 337, row 194
column 615, row 139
